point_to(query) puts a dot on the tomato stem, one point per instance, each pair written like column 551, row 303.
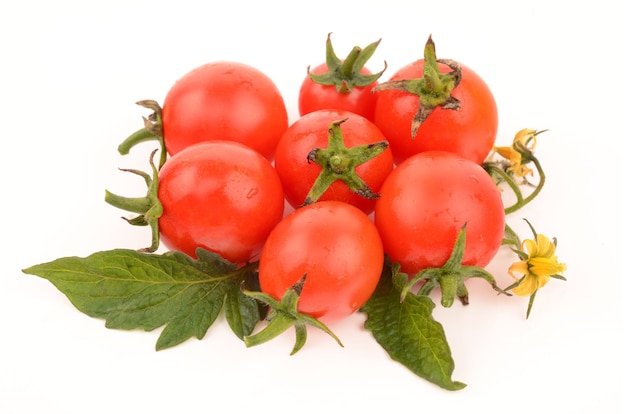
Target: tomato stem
column 434, row 88
column 521, row 201
column 148, row 207
column 346, row 74
column 339, row 163
column 451, row 277
column 537, row 189
column 283, row 315
column 152, row 131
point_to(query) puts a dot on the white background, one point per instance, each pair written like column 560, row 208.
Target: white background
column 70, row 73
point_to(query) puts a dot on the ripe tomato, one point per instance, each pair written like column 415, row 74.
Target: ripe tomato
column 312, row 131
column 469, row 131
column 224, row 101
column 339, row 249
column 342, row 84
column 219, row 195
column 425, row 202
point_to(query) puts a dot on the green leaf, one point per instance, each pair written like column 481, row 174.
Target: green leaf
column 242, row 311
column 134, row 290
column 409, row 334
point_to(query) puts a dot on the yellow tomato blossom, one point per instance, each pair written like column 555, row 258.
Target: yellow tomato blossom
column 525, row 140
column 538, row 267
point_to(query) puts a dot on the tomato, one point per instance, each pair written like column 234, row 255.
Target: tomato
column 425, row 202
column 224, row 101
column 219, row 195
column 342, row 84
column 469, row 131
column 311, row 131
column 337, row 246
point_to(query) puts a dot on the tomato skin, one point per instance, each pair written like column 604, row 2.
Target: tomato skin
column 419, row 222
column 311, row 131
column 224, row 101
column 339, row 249
column 314, row 96
column 470, row 131
column 219, row 195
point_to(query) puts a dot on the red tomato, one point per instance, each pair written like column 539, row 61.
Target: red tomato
column 425, row 202
column 469, row 131
column 219, row 195
column 314, row 96
column 224, row 101
column 311, row 131
column 339, row 249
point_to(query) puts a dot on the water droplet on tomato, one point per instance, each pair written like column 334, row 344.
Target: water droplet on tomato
column 252, row 193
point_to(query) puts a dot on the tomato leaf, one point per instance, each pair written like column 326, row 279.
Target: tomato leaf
column 135, row 290
column 408, row 332
column 242, row 312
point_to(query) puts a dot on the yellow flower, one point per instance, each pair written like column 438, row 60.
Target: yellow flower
column 539, row 266
column 524, row 141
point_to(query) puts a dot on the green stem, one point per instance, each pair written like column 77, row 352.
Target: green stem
column 492, row 168
column 339, row 163
column 137, row 137
column 449, row 285
column 542, row 179
column 432, row 74
column 347, row 66
column 152, row 131
column 132, row 204
column 279, row 324
column 346, row 74
column 149, row 207
column 511, row 237
column 434, row 88
column 451, row 276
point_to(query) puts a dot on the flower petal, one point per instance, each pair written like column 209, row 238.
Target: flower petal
column 530, row 247
column 544, row 266
column 518, row 267
column 526, row 137
column 528, row 285
column 545, row 247
column 505, row 152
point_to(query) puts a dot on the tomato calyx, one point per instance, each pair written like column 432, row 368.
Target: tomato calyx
column 451, row 277
column 284, row 314
column 152, row 131
column 149, row 206
column 339, row 163
column 433, row 88
column 346, row 74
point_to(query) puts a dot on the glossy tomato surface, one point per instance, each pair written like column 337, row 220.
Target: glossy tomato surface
column 224, row 101
column 469, row 131
column 314, row 96
column 311, row 131
column 338, row 248
column 425, row 202
column 222, row 196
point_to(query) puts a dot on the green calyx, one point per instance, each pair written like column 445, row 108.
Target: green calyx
column 339, row 163
column 346, row 74
column 148, row 207
column 284, row 314
column 433, row 88
column 152, row 131
column 451, row 277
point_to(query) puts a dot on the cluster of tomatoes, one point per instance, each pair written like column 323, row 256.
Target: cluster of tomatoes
column 369, row 170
